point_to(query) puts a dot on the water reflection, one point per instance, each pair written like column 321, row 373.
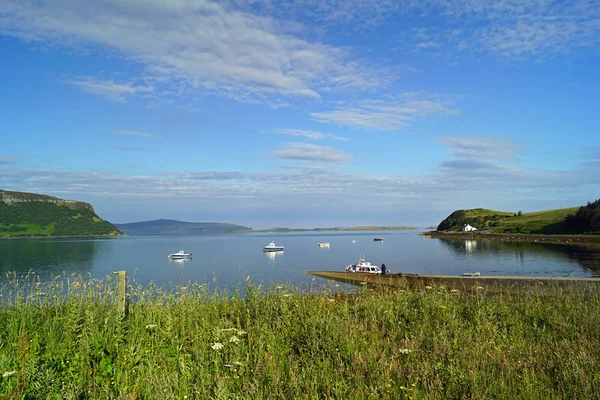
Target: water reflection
column 470, row 245
column 48, row 257
column 585, row 256
column 179, row 263
column 273, row 255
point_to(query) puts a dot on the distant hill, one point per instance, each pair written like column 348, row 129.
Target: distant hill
column 543, row 222
column 171, row 227
column 38, row 215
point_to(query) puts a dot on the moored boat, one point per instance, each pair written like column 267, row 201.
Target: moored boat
column 378, row 239
column 324, row 244
column 363, row 266
column 272, row 247
column 180, row 255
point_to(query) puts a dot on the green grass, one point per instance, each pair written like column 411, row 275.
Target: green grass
column 28, row 229
column 68, row 341
column 543, row 222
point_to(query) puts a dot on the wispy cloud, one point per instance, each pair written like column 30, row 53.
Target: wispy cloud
column 388, row 114
column 309, row 134
column 480, row 147
column 195, row 46
column 130, row 132
column 125, row 148
column 5, row 160
column 311, row 152
column 111, row 90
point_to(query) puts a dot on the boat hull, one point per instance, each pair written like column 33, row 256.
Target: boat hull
column 273, row 249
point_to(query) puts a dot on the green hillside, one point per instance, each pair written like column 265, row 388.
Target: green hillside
column 544, row 222
column 33, row 215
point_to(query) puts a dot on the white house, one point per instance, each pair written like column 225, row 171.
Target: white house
column 468, row 228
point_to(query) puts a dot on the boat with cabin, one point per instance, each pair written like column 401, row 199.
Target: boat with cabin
column 363, row 266
column 180, row 255
column 272, row 247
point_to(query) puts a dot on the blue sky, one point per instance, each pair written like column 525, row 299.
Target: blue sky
column 301, row 113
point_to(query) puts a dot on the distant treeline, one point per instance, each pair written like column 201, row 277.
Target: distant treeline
column 587, row 218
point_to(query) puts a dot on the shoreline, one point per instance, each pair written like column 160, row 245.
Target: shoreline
column 518, row 237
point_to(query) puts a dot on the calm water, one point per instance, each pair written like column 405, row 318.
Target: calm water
column 224, row 260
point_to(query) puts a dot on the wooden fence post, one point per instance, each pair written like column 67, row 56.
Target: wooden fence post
column 122, row 292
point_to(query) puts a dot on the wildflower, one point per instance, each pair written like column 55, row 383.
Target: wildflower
column 151, row 326
column 8, row 373
column 428, row 287
column 479, row 287
column 405, row 351
column 239, row 364
column 234, row 339
column 280, row 287
column 454, row 291
column 241, row 332
column 286, row 295
column 217, row 346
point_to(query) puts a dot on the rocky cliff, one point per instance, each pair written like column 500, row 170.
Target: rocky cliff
column 23, row 197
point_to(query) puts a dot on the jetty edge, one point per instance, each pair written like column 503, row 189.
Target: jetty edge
column 488, row 284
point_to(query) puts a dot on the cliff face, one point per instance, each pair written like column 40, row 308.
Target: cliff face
column 22, row 197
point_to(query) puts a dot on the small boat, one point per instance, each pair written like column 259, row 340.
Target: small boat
column 363, row 266
column 378, row 239
column 180, row 255
column 272, row 247
column 324, row 244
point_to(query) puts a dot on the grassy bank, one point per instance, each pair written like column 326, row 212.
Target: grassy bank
column 66, row 340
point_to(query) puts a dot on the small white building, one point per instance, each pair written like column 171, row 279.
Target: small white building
column 468, row 228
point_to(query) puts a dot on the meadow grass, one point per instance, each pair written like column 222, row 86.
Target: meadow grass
column 66, row 339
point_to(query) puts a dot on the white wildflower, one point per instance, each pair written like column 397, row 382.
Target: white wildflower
column 151, row 326
column 241, row 332
column 239, row 364
column 454, row 291
column 217, row 346
column 234, row 339
column 428, row 287
column 405, row 351
column 8, row 373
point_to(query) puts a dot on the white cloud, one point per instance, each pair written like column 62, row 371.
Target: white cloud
column 309, row 134
column 388, row 114
column 109, row 89
column 480, row 147
column 193, row 45
column 310, row 152
column 129, row 132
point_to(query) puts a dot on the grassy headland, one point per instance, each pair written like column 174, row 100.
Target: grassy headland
column 540, row 222
column 34, row 215
column 68, row 341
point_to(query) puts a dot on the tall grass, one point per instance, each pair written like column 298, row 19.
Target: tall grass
column 66, row 339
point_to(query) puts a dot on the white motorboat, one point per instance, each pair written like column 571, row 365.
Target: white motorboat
column 324, row 244
column 363, row 266
column 180, row 255
column 272, row 247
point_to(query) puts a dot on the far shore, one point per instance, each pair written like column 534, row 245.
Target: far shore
column 343, row 229
column 517, row 237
